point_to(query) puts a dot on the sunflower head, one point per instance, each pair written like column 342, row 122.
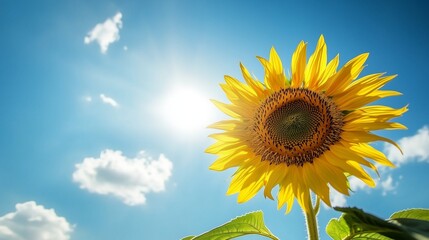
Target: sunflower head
column 305, row 133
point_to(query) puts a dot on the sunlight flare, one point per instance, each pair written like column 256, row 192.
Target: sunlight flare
column 185, row 110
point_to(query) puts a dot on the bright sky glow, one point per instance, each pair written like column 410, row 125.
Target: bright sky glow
column 186, row 110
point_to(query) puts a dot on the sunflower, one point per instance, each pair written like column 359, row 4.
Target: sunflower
column 306, row 133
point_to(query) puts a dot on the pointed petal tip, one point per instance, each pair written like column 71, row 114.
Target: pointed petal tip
column 322, row 39
column 215, row 168
column 241, row 200
column 268, row 196
column 209, row 150
column 261, row 59
column 389, row 164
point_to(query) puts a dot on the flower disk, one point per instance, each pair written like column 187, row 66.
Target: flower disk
column 307, row 133
column 295, row 126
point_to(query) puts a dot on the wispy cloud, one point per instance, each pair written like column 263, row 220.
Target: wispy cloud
column 415, row 148
column 108, row 100
column 389, row 185
column 105, row 33
column 88, row 99
column 386, row 185
column 339, row 199
column 129, row 179
column 32, row 221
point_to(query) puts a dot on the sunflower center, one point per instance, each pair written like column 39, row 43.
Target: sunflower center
column 295, row 126
column 293, row 122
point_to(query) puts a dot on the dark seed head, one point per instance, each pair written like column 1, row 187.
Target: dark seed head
column 295, row 126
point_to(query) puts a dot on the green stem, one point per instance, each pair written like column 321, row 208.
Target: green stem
column 317, row 205
column 310, row 218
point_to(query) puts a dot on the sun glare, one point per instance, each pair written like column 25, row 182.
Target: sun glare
column 186, row 110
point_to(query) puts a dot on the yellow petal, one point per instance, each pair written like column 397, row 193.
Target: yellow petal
column 226, row 125
column 330, row 70
column 274, row 177
column 341, row 152
column 378, row 112
column 331, row 174
column 232, row 110
column 285, row 196
column 256, row 85
column 359, row 101
column 223, row 146
column 304, row 198
column 238, row 179
column 313, row 181
column 291, row 191
column 367, row 151
column 253, row 183
column 225, row 162
column 353, row 90
column 361, row 124
column 361, row 136
column 316, row 64
column 368, row 85
column 226, row 137
column 350, row 167
column 277, row 66
column 298, row 65
column 299, row 188
column 346, row 75
column 242, row 90
column 274, row 80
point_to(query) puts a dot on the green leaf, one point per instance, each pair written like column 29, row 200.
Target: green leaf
column 251, row 223
column 419, row 229
column 369, row 236
column 356, row 224
column 415, row 221
column 337, row 229
column 414, row 213
column 188, row 238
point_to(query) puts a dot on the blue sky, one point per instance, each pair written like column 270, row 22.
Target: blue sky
column 70, row 106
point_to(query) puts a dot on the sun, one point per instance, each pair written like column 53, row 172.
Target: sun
column 185, row 110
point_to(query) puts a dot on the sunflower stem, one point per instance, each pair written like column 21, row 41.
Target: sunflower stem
column 317, row 205
column 311, row 221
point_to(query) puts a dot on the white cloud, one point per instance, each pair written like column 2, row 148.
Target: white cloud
column 388, row 185
column 415, row 148
column 32, row 221
column 128, row 179
column 108, row 100
column 357, row 184
column 337, row 199
column 105, row 33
